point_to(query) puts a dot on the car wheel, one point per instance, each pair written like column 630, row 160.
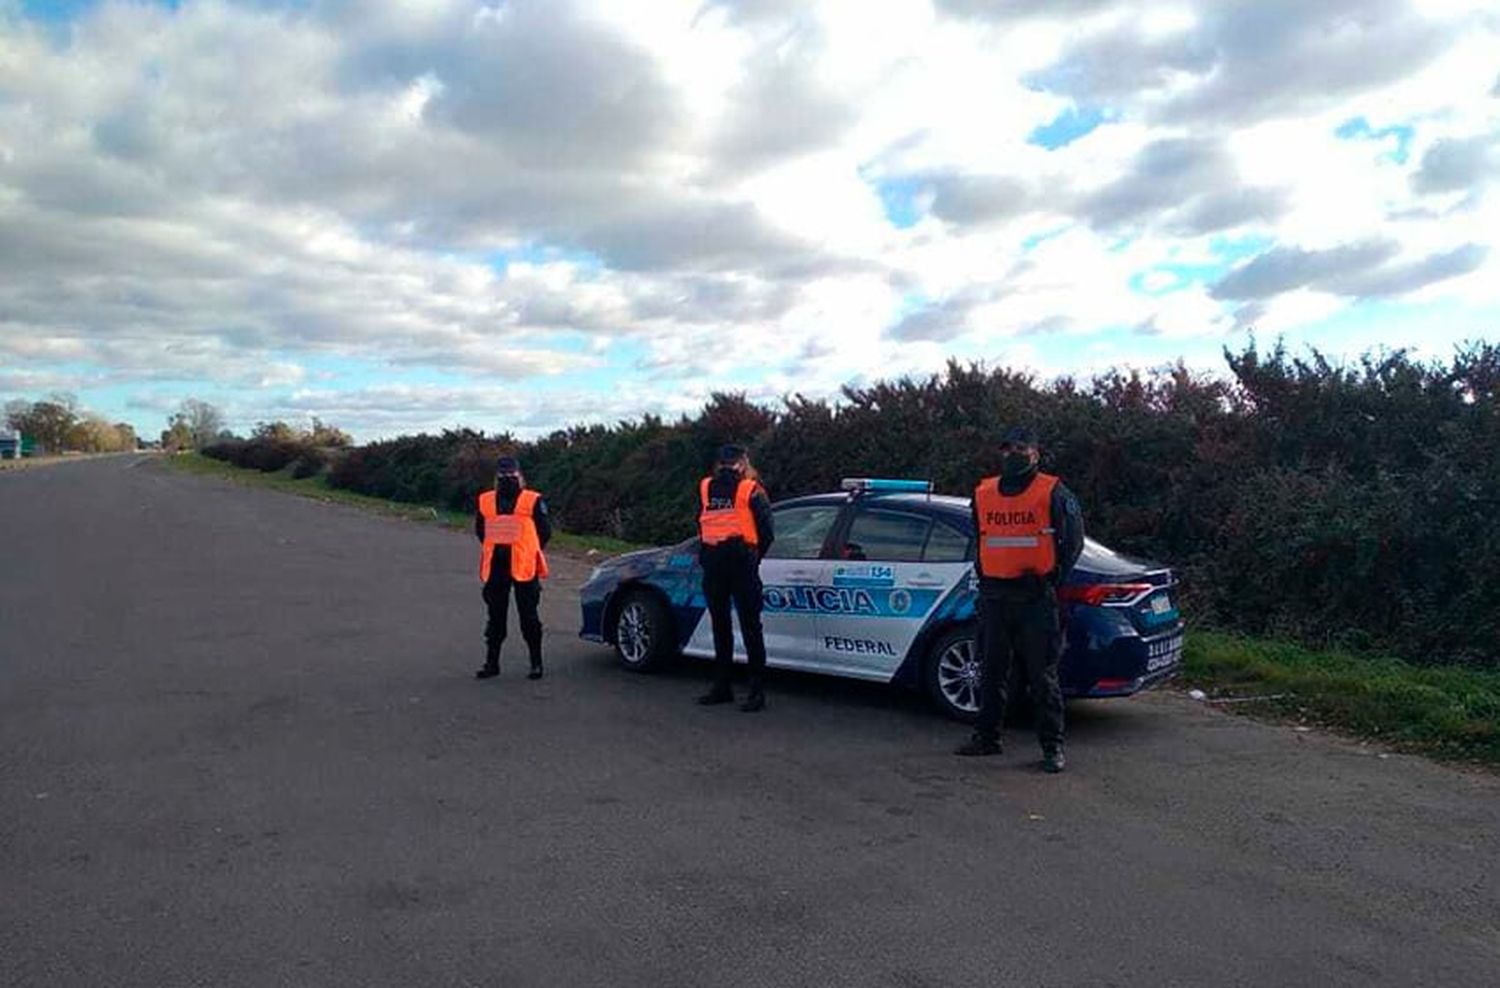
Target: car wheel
column 953, row 673
column 643, row 632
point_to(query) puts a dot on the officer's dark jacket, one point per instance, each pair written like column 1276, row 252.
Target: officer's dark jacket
column 1067, row 520
column 721, row 490
column 500, row 556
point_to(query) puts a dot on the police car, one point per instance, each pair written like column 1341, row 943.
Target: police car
column 877, row 582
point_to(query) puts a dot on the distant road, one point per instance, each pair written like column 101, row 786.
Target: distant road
column 240, row 744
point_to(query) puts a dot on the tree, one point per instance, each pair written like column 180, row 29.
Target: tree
column 200, row 424
column 177, row 436
column 320, row 434
column 15, row 410
column 93, row 434
column 47, row 422
column 323, row 434
column 277, row 431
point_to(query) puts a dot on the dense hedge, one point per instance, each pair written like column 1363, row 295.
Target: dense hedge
column 1356, row 504
column 269, row 455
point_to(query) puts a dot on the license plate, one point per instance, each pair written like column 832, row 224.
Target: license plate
column 1162, row 661
column 1161, row 605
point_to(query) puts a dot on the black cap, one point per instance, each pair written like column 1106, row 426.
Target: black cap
column 731, row 453
column 1019, row 435
column 507, row 464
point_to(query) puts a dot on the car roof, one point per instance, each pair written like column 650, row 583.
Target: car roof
column 944, row 504
column 1097, row 559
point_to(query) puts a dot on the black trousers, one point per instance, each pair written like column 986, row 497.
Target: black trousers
column 1026, row 631
column 732, row 576
column 497, row 591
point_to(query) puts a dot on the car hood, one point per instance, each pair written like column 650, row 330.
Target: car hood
column 641, row 560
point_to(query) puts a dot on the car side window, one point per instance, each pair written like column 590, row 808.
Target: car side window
column 887, row 536
column 801, row 531
column 947, row 544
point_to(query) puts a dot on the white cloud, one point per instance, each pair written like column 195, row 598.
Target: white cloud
column 235, row 197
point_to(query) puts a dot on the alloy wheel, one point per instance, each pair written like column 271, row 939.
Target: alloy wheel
column 633, row 633
column 958, row 675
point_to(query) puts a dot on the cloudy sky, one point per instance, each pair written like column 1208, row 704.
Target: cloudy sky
column 516, row 214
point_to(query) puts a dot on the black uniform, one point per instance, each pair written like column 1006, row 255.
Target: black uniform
column 1019, row 619
column 731, row 573
column 498, row 587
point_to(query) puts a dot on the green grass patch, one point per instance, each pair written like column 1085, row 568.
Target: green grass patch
column 1449, row 711
column 317, row 487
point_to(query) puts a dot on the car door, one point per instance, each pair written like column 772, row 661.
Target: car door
column 897, row 564
column 791, row 573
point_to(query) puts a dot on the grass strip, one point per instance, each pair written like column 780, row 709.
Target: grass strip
column 1447, row 711
column 317, row 487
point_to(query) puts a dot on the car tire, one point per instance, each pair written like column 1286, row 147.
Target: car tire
column 643, row 632
column 951, row 674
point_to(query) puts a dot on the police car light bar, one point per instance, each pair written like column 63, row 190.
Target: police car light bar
column 861, row 485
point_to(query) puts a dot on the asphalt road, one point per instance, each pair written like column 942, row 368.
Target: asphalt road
column 240, row 744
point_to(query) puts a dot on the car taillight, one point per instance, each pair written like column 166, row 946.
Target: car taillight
column 1103, row 594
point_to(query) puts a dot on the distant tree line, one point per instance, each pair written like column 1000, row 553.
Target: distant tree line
column 276, row 445
column 56, row 424
column 1355, row 504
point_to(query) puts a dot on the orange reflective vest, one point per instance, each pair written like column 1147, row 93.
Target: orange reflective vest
column 516, row 530
column 1015, row 530
column 718, row 525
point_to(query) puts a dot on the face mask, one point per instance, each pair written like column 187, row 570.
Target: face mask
column 507, row 486
column 1015, row 465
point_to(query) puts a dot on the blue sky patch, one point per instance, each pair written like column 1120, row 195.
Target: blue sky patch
column 584, row 260
column 1227, row 252
column 56, row 11
column 900, row 198
column 1358, row 128
column 63, row 11
column 1037, row 239
column 1232, row 249
column 1068, row 126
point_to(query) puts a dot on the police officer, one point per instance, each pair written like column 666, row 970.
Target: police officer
column 734, row 530
column 513, row 528
column 1029, row 530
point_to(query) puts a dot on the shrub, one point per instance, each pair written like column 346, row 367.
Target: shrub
column 1354, row 504
column 310, row 463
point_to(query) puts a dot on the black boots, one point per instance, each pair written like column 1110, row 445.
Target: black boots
column 722, row 692
column 978, row 747
column 491, row 667
column 1053, row 761
column 534, row 647
column 490, row 671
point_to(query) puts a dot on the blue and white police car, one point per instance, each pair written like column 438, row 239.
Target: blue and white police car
column 877, row 582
